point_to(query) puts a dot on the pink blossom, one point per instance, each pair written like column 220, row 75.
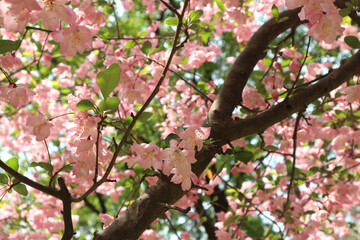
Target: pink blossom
column 14, row 19
column 73, row 39
column 252, row 98
column 55, row 10
column 18, row 95
column 194, row 136
column 106, row 219
column 181, row 159
column 223, row 235
column 150, row 234
column 147, row 155
column 352, row 93
column 39, row 126
column 294, row 66
column 185, row 180
column 327, row 28
column 274, row 81
column 3, row 235
column 28, row 4
column 10, row 61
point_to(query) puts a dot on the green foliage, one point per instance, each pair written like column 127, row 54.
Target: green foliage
column 8, row 46
column 108, row 79
column 21, row 189
column 85, row 105
column 352, row 41
column 110, row 105
column 173, row 21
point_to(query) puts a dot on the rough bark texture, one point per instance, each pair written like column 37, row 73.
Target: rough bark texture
column 146, row 209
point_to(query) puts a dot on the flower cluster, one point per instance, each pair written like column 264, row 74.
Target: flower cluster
column 323, row 16
column 176, row 159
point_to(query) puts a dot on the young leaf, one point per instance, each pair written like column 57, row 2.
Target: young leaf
column 146, row 47
column 8, row 46
column 173, row 21
column 220, row 5
column 66, row 168
column 3, row 179
column 111, row 104
column 352, row 41
column 145, row 116
column 21, row 189
column 172, row 136
column 108, row 79
column 13, row 163
column 275, row 11
column 85, row 105
column 47, row 166
column 244, row 156
column 130, row 44
column 194, row 15
column 345, row 11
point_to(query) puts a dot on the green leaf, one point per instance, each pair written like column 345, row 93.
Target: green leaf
column 3, row 179
column 146, row 47
column 220, row 5
column 13, row 163
column 244, row 156
column 21, row 189
column 46, row 166
column 85, row 105
column 344, row 12
column 194, row 15
column 130, row 44
column 8, row 46
column 270, row 148
column 156, row 50
column 229, row 151
column 289, row 219
column 173, row 21
column 143, row 34
column 230, row 220
column 111, row 104
column 66, row 168
column 108, row 79
column 352, row 41
column 172, row 136
column 275, row 11
column 145, row 116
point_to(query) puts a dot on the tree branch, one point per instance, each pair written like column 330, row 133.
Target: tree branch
column 30, row 182
column 297, row 102
column 230, row 95
column 143, row 211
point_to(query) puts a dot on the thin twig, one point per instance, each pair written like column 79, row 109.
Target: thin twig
column 297, row 121
column 136, row 117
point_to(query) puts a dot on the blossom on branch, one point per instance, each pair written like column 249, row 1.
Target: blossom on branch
column 39, row 126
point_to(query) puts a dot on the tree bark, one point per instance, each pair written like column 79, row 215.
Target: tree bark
column 138, row 217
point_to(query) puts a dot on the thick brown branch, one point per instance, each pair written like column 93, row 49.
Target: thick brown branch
column 230, row 95
column 296, row 103
column 130, row 224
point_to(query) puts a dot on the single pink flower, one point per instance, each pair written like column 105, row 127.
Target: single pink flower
column 106, row 219
column 39, row 126
column 147, row 155
column 194, row 136
column 274, row 81
column 55, row 10
column 73, row 39
column 181, row 159
column 17, row 95
column 352, row 93
column 252, row 98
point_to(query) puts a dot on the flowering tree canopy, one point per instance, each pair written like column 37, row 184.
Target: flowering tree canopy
column 202, row 119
